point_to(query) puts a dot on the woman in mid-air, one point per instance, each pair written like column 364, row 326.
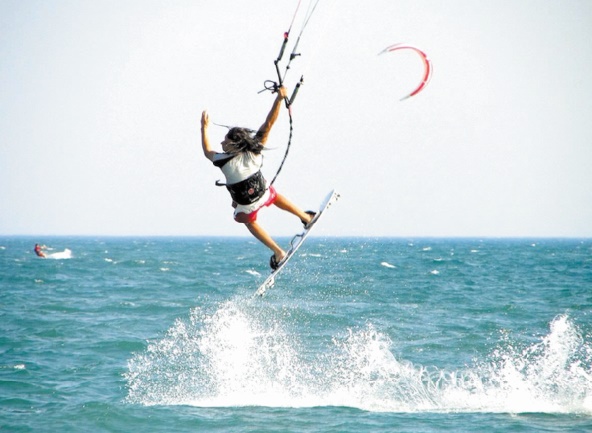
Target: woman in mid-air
column 241, row 162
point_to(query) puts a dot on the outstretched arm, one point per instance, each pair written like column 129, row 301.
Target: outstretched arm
column 205, row 140
column 272, row 116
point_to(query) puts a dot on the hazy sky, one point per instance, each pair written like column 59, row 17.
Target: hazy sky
column 100, row 104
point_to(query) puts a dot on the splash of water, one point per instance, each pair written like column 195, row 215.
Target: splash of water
column 240, row 355
column 66, row 254
column 232, row 357
column 553, row 375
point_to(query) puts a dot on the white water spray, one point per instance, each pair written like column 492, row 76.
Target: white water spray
column 242, row 355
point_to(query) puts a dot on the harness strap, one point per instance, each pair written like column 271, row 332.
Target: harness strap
column 247, row 191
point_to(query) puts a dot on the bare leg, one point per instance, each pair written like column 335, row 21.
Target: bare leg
column 264, row 237
column 283, row 203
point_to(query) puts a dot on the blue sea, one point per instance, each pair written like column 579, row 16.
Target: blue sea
column 358, row 335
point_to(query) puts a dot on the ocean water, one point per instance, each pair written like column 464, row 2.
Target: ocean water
column 358, row 335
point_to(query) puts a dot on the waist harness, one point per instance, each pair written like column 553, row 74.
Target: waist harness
column 249, row 190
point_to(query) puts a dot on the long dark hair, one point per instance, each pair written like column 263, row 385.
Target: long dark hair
column 245, row 140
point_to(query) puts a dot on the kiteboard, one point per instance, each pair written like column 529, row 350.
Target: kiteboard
column 296, row 242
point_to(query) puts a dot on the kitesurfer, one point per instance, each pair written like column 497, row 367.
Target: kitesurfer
column 39, row 250
column 241, row 162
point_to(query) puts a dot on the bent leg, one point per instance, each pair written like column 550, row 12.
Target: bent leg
column 283, row 203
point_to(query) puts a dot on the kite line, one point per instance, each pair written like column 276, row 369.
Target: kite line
column 273, row 86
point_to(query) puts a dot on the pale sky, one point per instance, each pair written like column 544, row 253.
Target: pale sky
column 100, row 103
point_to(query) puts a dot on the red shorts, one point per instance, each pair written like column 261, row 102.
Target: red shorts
column 252, row 216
